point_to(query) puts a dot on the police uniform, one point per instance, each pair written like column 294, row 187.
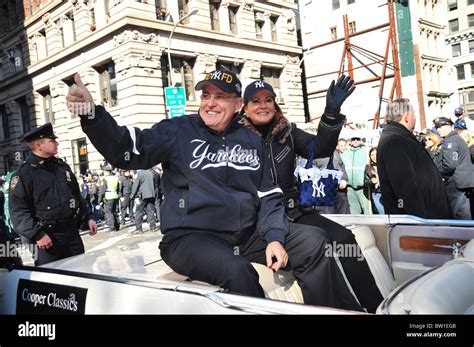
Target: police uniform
column 456, row 168
column 45, row 199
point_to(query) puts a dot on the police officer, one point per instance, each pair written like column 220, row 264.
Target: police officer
column 45, row 202
column 125, row 191
column 110, row 190
column 462, row 122
column 455, row 167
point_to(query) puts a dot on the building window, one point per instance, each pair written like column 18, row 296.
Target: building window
column 214, row 8
column 16, row 57
column 47, row 106
column 183, row 6
column 452, row 5
column 273, row 27
column 8, row 162
column 161, row 9
column 456, row 48
column 460, row 72
column 472, row 70
column 272, row 76
column 259, row 22
column 470, row 97
column 471, row 46
column 233, row 19
column 335, row 4
column 5, row 131
column 334, row 33
column 470, row 20
column 235, row 67
column 350, row 2
column 453, row 25
column 80, row 155
column 25, row 114
column 108, row 84
column 352, row 28
column 182, row 75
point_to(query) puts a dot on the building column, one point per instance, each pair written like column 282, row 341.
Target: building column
column 267, row 27
column 139, row 80
column 291, row 89
column 204, row 64
column 82, row 18
column 246, row 20
column 53, row 36
column 250, row 71
column 286, row 28
column 224, row 17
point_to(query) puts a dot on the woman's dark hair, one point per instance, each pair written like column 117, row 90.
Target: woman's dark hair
column 370, row 156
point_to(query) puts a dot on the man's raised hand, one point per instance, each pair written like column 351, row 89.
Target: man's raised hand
column 79, row 99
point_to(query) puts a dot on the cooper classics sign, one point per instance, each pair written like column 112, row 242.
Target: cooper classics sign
column 35, row 297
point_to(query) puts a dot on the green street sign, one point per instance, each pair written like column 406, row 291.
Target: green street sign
column 175, row 97
column 176, row 111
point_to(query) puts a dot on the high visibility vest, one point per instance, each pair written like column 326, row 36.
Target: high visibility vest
column 112, row 187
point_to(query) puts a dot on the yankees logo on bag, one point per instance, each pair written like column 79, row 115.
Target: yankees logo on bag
column 317, row 187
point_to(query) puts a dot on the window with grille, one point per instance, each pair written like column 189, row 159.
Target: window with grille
column 47, row 106
column 273, row 27
column 333, row 33
column 352, row 28
column 470, row 20
column 5, row 131
column 452, row 5
column 460, row 72
column 25, row 114
column 182, row 74
column 108, row 84
column 233, row 19
column 335, row 4
column 453, row 25
column 214, row 8
column 272, row 76
column 456, row 49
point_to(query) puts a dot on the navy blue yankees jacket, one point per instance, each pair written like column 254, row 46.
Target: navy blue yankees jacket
column 218, row 182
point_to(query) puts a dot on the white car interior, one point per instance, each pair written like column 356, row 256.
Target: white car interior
column 420, row 267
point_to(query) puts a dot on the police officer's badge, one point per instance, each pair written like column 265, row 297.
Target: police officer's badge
column 14, row 181
column 68, row 176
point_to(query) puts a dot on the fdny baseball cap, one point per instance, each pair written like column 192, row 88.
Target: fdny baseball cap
column 458, row 111
column 43, row 132
column 440, row 121
column 255, row 87
column 224, row 79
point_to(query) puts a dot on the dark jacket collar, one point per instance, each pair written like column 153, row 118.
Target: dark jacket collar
column 37, row 161
column 397, row 127
column 281, row 128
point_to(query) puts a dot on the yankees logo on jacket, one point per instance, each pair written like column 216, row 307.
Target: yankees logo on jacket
column 210, row 180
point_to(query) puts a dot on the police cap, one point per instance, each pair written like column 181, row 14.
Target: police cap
column 43, row 132
column 458, row 111
column 440, row 121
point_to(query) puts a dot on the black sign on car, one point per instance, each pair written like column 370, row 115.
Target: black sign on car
column 35, row 297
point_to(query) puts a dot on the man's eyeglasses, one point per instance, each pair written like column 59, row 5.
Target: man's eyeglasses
column 217, row 97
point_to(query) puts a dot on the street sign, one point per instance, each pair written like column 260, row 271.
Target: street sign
column 176, row 111
column 175, row 97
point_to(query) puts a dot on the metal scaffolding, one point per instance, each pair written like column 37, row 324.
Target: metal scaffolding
column 366, row 58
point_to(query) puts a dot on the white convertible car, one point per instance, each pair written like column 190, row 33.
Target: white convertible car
column 420, row 266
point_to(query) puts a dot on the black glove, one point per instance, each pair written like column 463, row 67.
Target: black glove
column 336, row 95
